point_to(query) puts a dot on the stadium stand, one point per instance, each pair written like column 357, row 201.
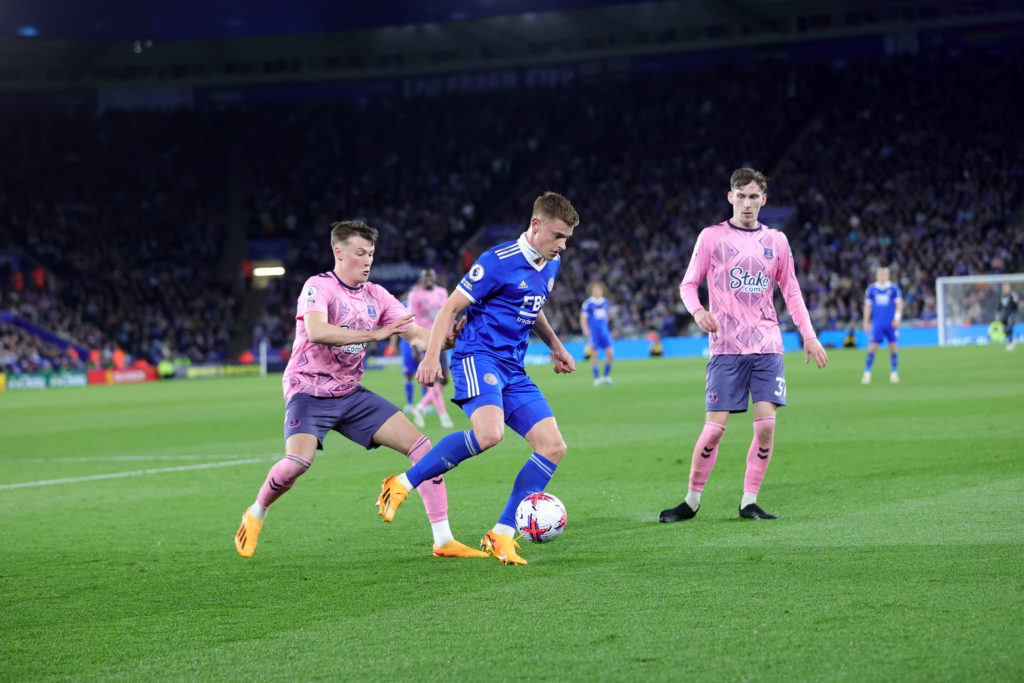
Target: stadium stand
column 138, row 215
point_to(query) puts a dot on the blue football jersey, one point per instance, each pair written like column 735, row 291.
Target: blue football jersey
column 596, row 311
column 508, row 291
column 883, row 299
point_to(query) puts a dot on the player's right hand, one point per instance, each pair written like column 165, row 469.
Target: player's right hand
column 397, row 326
column 706, row 321
column 429, row 371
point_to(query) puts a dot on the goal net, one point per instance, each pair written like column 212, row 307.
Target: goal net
column 966, row 305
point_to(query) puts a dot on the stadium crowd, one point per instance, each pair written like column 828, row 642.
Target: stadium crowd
column 130, row 211
column 126, row 211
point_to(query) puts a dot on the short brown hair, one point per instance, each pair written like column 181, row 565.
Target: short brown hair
column 745, row 176
column 554, row 205
column 342, row 230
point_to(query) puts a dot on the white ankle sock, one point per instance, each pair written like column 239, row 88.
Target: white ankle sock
column 503, row 529
column 693, row 499
column 442, row 532
column 404, row 481
column 257, row 511
column 748, row 499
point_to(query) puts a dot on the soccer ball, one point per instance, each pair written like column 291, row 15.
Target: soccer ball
column 540, row 517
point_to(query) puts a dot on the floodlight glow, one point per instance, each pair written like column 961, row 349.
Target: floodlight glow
column 268, row 271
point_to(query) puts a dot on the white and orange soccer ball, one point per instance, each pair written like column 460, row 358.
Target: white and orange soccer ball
column 540, row 517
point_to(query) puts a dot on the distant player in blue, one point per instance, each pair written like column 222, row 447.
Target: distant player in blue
column 408, row 371
column 595, row 323
column 502, row 294
column 409, row 364
column 1007, row 312
column 883, row 308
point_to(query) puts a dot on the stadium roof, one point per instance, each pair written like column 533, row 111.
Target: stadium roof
column 204, row 19
column 179, row 20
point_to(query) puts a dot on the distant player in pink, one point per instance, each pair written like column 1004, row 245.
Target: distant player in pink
column 338, row 313
column 425, row 300
column 742, row 260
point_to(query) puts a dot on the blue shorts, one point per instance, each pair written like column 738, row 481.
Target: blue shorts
column 409, row 359
column 357, row 416
column 731, row 378
column 600, row 339
column 881, row 333
column 484, row 381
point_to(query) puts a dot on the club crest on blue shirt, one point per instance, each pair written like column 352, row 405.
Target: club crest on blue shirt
column 476, row 272
column 768, row 253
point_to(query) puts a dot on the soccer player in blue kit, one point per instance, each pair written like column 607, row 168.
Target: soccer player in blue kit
column 594, row 321
column 503, row 295
column 883, row 308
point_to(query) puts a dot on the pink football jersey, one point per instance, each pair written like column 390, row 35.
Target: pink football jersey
column 425, row 303
column 742, row 267
column 321, row 370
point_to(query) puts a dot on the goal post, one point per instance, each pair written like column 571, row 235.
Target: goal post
column 970, row 300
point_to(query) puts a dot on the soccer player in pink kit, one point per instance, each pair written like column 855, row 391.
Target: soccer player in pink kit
column 742, row 260
column 338, row 313
column 425, row 300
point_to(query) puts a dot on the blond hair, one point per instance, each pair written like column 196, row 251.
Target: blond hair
column 554, row 205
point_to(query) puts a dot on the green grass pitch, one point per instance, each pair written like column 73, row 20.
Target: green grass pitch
column 898, row 555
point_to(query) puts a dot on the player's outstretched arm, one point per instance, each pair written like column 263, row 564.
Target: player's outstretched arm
column 320, row 331
column 564, row 362
column 418, row 337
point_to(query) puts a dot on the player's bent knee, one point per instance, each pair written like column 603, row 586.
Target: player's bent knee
column 554, row 451
column 765, row 435
column 489, row 436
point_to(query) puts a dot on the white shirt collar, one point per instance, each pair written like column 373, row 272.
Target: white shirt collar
column 530, row 253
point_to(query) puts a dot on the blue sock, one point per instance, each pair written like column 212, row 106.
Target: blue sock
column 607, row 369
column 594, row 368
column 409, row 388
column 870, row 361
column 533, row 478
column 895, row 358
column 449, row 452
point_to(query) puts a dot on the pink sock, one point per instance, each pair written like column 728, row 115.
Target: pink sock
column 704, row 455
column 434, row 396
column 433, row 491
column 438, row 397
column 281, row 477
column 759, row 454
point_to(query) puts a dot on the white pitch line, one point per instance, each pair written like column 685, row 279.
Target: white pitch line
column 129, row 458
column 134, row 473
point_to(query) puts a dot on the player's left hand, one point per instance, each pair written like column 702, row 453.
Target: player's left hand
column 453, row 334
column 813, row 347
column 564, row 362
